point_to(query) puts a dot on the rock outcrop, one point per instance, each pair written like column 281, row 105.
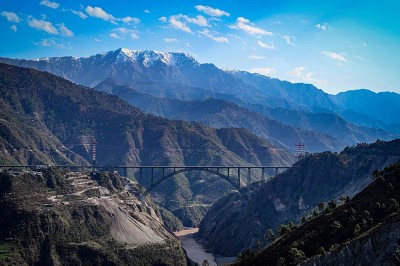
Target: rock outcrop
column 62, row 218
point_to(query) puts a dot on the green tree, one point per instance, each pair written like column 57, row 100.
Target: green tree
column 357, row 229
column 281, row 262
column 205, row 263
column 321, row 206
column 257, row 248
column 393, row 205
column 284, row 229
column 320, row 251
column 295, row 256
column 270, row 235
column 246, row 256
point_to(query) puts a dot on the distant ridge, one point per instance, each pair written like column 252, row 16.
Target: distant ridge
column 146, row 70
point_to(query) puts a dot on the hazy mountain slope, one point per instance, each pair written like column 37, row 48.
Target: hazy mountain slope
column 363, row 231
column 329, row 123
column 68, row 218
column 152, row 69
column 127, row 136
column 25, row 139
column 219, row 113
column 234, row 223
column 384, row 106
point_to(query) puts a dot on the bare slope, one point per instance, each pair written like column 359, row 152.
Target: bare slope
column 65, row 218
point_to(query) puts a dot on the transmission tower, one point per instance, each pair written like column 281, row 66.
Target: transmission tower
column 94, row 151
column 300, row 150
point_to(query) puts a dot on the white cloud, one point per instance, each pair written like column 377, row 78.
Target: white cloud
column 42, row 25
column 130, row 19
column 220, row 39
column 299, row 74
column 335, row 56
column 64, row 30
column 114, row 35
column 214, row 12
column 266, row 71
column 198, row 20
column 323, row 27
column 291, row 40
column 170, row 40
column 50, row 4
column 269, row 46
column 46, row 42
column 180, row 22
column 52, row 42
column 14, row 28
column 11, row 16
column 245, row 25
column 365, row 44
column 175, row 22
column 97, row 40
column 146, row 11
column 97, row 12
column 121, row 33
column 80, row 14
column 256, row 57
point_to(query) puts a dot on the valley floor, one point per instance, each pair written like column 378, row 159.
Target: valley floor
column 196, row 252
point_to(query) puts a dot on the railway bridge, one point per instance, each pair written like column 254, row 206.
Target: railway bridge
column 237, row 176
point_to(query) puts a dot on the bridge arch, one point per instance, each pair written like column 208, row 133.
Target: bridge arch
column 201, row 169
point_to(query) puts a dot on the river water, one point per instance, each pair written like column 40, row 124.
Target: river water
column 195, row 250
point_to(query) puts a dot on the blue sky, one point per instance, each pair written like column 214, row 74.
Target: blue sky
column 335, row 45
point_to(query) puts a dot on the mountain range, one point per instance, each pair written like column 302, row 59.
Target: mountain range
column 155, row 108
column 338, row 120
column 49, row 120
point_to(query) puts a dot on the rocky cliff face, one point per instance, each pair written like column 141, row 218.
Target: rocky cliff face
column 235, row 222
column 381, row 248
column 62, row 218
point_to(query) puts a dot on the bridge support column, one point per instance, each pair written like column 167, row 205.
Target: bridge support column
column 163, row 172
column 238, row 170
column 228, row 171
column 276, row 171
column 125, row 172
column 263, row 174
column 141, row 174
column 248, row 176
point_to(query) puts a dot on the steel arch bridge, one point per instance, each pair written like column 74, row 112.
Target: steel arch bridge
column 232, row 174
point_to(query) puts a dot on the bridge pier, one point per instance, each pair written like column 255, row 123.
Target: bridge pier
column 263, row 174
column 238, row 170
column 248, row 176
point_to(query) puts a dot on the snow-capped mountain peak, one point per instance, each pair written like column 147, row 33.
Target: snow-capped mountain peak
column 150, row 57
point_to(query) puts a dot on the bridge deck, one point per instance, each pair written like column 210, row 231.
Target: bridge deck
column 232, row 174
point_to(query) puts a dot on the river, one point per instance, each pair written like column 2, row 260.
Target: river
column 195, row 250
